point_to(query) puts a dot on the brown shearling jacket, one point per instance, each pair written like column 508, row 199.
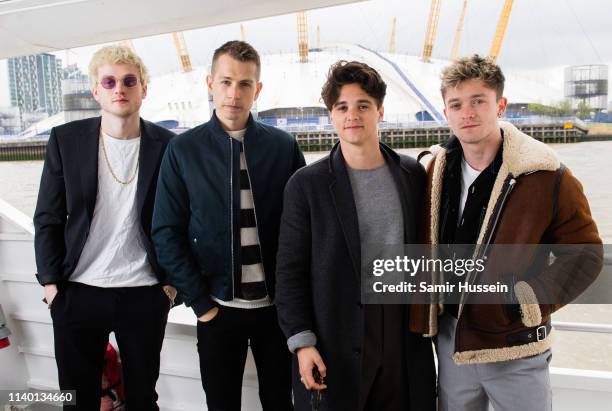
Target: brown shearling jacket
column 527, row 206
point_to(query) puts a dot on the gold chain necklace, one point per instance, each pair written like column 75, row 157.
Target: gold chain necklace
column 124, row 183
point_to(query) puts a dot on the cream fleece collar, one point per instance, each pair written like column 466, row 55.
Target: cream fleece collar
column 522, row 153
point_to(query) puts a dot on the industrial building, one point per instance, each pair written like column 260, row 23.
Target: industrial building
column 587, row 84
column 35, row 83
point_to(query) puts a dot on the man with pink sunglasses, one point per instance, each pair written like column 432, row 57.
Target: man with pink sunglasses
column 93, row 245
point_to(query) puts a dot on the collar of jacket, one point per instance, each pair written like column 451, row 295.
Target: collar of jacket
column 454, row 155
column 251, row 127
column 522, row 154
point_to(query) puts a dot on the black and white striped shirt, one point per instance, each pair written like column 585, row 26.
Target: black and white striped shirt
column 252, row 288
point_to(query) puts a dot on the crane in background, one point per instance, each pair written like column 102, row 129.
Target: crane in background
column 457, row 40
column 392, row 38
column 181, row 49
column 432, row 27
column 318, row 37
column 501, row 30
column 242, row 35
column 302, row 36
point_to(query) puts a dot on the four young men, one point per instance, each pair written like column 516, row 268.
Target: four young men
column 212, row 219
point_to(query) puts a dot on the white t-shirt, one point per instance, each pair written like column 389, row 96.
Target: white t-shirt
column 113, row 255
column 468, row 176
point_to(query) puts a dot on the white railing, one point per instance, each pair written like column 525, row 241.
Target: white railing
column 582, row 327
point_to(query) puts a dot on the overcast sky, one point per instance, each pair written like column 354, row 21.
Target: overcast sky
column 541, row 34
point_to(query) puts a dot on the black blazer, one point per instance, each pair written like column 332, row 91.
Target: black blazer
column 68, row 189
column 318, row 276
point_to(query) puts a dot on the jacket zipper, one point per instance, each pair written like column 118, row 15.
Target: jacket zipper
column 491, row 229
column 231, row 207
column 255, row 214
column 511, row 184
column 487, row 242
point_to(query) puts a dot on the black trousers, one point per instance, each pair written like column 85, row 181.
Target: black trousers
column 222, row 346
column 83, row 316
column 384, row 379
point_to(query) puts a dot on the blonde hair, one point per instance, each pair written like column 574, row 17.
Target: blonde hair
column 116, row 55
column 474, row 67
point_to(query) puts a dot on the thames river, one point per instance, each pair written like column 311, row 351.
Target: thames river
column 591, row 163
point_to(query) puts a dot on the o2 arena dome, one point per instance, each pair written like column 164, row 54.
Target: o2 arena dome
column 292, row 89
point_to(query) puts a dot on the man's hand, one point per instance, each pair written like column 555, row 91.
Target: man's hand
column 308, row 359
column 171, row 293
column 50, row 293
column 210, row 314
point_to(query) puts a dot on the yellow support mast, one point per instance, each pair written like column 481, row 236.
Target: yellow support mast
column 392, row 38
column 181, row 49
column 242, row 35
column 318, row 37
column 432, row 27
column 457, row 40
column 302, row 36
column 501, row 30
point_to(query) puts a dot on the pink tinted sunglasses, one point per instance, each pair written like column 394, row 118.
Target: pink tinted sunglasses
column 110, row 82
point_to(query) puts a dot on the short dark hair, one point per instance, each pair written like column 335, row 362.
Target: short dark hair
column 345, row 72
column 474, row 67
column 239, row 50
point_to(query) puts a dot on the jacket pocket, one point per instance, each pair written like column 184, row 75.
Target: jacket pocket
column 194, row 245
column 489, row 318
column 60, row 301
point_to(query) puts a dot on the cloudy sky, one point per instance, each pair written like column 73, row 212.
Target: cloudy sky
column 542, row 35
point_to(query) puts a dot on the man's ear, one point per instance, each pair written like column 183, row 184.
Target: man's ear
column 209, row 82
column 381, row 113
column 501, row 106
column 258, row 88
column 95, row 92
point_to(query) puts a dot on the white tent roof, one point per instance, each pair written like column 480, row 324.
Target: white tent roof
column 412, row 85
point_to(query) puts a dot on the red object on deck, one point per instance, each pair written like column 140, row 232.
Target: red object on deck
column 4, row 343
column 113, row 394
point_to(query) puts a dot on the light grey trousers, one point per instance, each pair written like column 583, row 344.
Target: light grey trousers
column 513, row 385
